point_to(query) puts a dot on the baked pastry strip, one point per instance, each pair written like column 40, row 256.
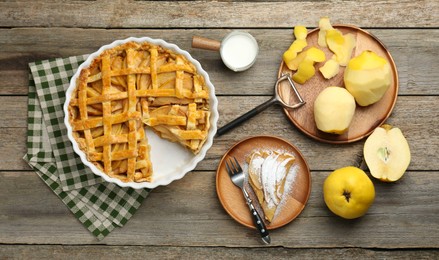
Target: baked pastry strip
column 122, row 88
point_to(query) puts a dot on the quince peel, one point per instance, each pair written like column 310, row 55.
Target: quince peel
column 341, row 45
column 300, row 32
column 324, row 26
column 305, row 64
column 330, row 69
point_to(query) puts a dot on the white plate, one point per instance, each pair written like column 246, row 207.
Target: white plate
column 170, row 161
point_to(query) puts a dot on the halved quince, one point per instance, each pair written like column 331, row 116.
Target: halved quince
column 387, row 153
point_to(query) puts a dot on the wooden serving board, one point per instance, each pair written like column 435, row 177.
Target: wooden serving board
column 366, row 119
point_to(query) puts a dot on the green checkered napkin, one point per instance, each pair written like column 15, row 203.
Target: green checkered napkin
column 100, row 206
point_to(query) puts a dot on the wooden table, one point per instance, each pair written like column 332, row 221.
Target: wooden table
column 185, row 219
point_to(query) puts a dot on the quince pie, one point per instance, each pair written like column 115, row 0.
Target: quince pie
column 267, row 172
column 127, row 87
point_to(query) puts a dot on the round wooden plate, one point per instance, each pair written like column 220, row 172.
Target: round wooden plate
column 231, row 196
column 366, row 119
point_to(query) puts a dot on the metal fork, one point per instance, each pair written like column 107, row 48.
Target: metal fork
column 238, row 178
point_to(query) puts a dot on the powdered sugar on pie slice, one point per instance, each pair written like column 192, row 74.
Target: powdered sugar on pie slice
column 268, row 172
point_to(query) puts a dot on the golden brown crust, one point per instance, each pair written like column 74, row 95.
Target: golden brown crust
column 269, row 189
column 126, row 87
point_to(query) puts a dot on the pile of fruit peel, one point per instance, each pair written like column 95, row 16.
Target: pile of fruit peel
column 303, row 61
column 366, row 77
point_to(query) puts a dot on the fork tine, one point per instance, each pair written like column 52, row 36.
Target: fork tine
column 229, row 171
column 238, row 167
column 233, row 166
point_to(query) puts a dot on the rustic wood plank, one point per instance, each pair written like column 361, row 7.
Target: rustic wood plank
column 170, row 252
column 185, row 219
column 195, row 14
column 410, row 54
column 13, row 112
column 416, row 116
column 13, row 148
column 176, row 215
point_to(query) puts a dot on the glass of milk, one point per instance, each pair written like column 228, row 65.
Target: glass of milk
column 238, row 49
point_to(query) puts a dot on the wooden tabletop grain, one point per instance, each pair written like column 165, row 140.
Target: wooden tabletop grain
column 185, row 219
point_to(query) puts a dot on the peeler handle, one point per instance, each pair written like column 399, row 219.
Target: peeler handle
column 205, row 43
column 245, row 116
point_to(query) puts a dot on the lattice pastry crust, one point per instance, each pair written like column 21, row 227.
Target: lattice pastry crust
column 128, row 87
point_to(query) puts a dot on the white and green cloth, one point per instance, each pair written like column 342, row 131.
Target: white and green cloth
column 100, row 206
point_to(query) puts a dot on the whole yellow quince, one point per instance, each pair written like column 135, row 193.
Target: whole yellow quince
column 348, row 192
column 367, row 77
